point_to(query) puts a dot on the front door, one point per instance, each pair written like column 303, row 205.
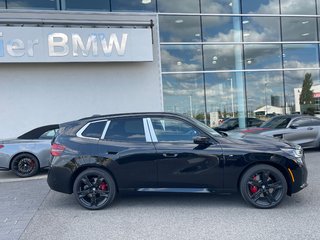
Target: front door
column 182, row 163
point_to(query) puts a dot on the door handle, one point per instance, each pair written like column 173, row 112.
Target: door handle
column 309, row 128
column 170, row 155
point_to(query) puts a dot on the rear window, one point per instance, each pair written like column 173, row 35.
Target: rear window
column 94, row 130
column 130, row 129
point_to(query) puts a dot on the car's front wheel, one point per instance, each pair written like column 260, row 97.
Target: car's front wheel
column 94, row 189
column 263, row 186
column 25, row 165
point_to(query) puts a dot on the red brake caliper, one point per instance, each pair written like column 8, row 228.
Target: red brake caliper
column 103, row 186
column 254, row 189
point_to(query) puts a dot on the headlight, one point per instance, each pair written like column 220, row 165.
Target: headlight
column 296, row 153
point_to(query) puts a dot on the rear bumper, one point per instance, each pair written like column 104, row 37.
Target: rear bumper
column 60, row 179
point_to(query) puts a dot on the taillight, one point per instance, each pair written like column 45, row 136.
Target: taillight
column 57, row 149
column 1, row 146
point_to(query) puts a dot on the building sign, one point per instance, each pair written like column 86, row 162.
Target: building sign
column 44, row 44
column 316, row 95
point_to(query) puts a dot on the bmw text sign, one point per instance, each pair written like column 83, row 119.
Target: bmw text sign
column 44, row 44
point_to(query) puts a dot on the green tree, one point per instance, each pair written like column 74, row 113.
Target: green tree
column 306, row 96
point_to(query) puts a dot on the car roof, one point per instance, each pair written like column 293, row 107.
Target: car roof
column 134, row 114
column 37, row 132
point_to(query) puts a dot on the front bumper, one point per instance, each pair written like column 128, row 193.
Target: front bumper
column 299, row 179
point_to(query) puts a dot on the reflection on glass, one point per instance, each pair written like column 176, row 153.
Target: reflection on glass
column 299, row 29
column 176, row 58
column 94, row 5
column 318, row 7
column 298, row 7
column 264, row 94
column 133, row 5
column 260, row 6
column 184, row 93
column 221, row 57
column 220, row 29
column 293, row 87
column 179, row 28
column 261, row 29
column 300, row 56
column 2, row 4
column 262, row 56
column 217, row 6
column 179, row 6
column 32, row 4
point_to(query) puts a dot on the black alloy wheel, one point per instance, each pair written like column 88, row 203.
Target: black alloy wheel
column 94, row 189
column 263, row 186
column 25, row 165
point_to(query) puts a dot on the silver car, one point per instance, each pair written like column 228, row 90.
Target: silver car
column 299, row 129
column 28, row 153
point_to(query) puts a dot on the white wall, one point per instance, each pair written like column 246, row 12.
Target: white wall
column 33, row 95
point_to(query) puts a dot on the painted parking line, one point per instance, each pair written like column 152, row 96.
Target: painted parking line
column 7, row 176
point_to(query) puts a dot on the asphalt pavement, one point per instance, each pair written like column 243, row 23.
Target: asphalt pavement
column 29, row 210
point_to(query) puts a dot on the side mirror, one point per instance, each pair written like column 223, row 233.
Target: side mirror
column 201, row 140
column 294, row 125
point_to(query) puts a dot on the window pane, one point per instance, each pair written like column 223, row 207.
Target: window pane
column 129, row 130
column 184, row 93
column 172, row 130
column 261, row 29
column 298, row 7
column 96, row 5
column 217, row 6
column 262, row 56
column 2, row 4
column 300, row 56
column 299, row 29
column 176, row 58
column 220, row 29
column 133, row 5
column 270, row 100
column 49, row 134
column 179, row 6
column 260, row 6
column 221, row 57
column 179, row 28
column 293, row 86
column 32, row 4
column 94, row 130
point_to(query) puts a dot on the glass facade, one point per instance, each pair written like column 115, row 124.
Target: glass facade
column 224, row 58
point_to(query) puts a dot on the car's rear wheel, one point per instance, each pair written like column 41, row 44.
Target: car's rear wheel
column 25, row 165
column 263, row 186
column 94, row 189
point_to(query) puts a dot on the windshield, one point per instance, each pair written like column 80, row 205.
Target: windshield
column 277, row 122
column 230, row 123
column 205, row 128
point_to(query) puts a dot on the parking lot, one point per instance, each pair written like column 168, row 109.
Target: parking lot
column 29, row 210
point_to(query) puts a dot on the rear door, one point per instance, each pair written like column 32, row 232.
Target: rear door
column 127, row 144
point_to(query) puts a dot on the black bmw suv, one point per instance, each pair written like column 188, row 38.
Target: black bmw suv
column 97, row 157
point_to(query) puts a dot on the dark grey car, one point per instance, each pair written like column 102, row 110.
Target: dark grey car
column 299, row 129
column 29, row 152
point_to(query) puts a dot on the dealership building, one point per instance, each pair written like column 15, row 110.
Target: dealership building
column 62, row 60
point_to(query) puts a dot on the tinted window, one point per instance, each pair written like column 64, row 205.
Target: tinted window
column 277, row 122
column 126, row 130
column 96, row 5
column 2, row 4
column 172, row 130
column 94, row 130
column 303, row 122
column 49, row 134
column 32, row 4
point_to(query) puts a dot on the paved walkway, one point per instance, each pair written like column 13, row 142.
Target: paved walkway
column 20, row 200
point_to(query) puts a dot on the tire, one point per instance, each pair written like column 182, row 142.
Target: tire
column 25, row 165
column 263, row 186
column 94, row 189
